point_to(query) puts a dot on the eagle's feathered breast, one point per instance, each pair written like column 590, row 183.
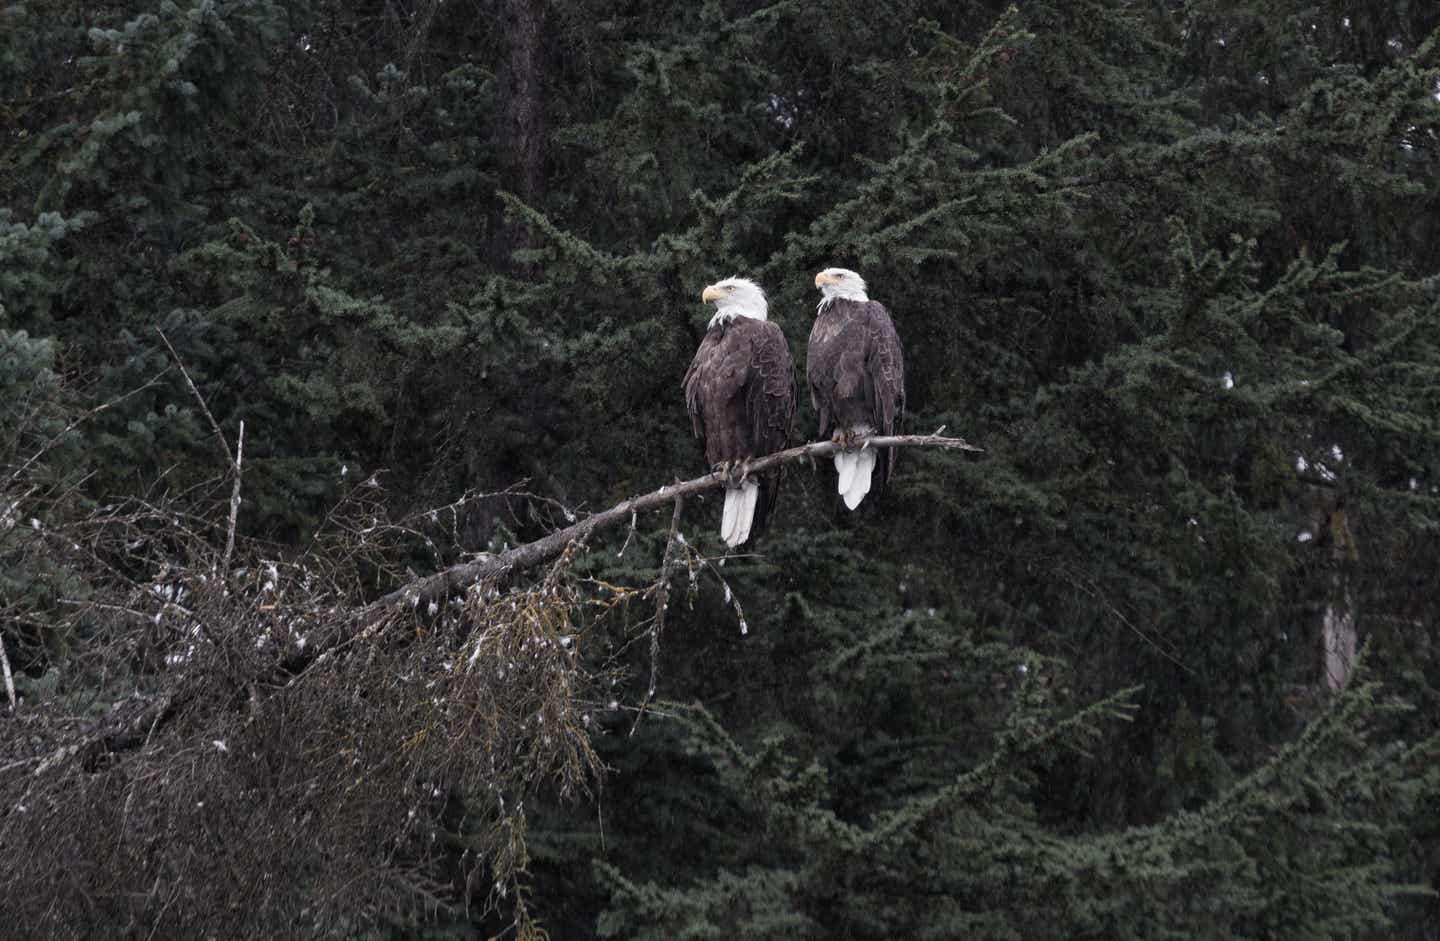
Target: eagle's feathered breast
column 740, row 390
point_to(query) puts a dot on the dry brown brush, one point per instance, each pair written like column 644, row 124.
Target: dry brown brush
column 283, row 747
column 228, row 755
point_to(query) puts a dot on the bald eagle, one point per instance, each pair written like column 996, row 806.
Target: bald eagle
column 740, row 392
column 856, row 371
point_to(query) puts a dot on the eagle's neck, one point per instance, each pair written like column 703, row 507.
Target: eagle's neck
column 833, row 295
column 726, row 314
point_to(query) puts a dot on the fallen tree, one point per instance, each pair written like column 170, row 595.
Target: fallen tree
column 299, row 733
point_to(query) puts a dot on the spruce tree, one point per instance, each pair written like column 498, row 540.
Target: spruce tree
column 1172, row 265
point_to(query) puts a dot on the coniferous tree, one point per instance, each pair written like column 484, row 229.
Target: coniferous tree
column 1172, row 265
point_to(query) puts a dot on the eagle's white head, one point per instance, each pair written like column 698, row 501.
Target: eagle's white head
column 736, row 297
column 840, row 282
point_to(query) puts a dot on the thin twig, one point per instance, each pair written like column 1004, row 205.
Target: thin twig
column 731, row 598
column 234, row 502
column 9, row 677
column 224, row 445
column 626, row 544
column 15, row 475
column 662, row 605
column 233, row 458
column 1094, row 592
column 11, row 766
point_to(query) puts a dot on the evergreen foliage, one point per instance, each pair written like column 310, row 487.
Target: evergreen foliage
column 1175, row 266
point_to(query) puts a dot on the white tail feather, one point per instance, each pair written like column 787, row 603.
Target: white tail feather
column 739, row 514
column 730, row 515
column 864, row 476
column 864, row 465
column 845, row 466
column 751, row 491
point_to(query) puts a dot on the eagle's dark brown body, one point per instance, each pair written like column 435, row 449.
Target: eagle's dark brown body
column 740, row 391
column 856, row 371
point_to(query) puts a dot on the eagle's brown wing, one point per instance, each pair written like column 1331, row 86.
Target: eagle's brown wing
column 715, row 393
column 884, row 377
column 695, row 381
column 834, row 366
column 770, row 395
column 770, row 400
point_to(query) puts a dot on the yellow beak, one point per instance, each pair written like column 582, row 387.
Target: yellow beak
column 823, row 278
column 713, row 293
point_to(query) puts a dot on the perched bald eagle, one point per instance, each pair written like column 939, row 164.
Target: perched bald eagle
column 740, row 391
column 856, row 371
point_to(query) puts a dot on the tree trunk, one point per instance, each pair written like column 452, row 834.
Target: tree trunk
column 1338, row 630
column 524, row 111
column 522, row 122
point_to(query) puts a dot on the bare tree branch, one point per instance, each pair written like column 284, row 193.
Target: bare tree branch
column 224, row 445
column 9, row 677
column 234, row 502
column 662, row 607
column 457, row 577
column 129, row 729
column 233, row 458
column 45, row 448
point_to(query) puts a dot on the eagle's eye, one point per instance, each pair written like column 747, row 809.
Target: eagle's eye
column 729, row 287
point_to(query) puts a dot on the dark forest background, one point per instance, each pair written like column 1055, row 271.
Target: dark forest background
column 1173, row 265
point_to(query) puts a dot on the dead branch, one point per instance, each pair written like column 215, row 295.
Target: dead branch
column 662, row 608
column 76, row 423
column 458, row 577
column 234, row 502
column 233, row 458
column 224, row 445
column 9, row 677
column 114, row 734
